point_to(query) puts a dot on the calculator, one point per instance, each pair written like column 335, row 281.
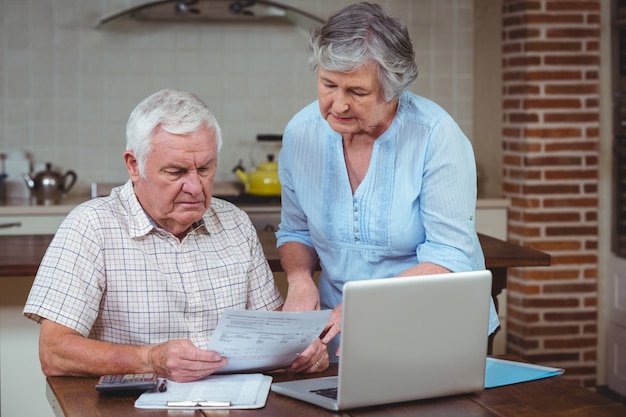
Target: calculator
column 127, row 382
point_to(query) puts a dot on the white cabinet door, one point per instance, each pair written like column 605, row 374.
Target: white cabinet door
column 30, row 224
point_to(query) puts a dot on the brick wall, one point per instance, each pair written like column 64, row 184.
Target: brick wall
column 550, row 54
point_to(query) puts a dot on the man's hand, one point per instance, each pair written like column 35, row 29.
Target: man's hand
column 313, row 359
column 302, row 295
column 181, row 361
column 65, row 352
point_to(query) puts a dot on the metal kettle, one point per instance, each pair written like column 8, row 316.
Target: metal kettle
column 48, row 187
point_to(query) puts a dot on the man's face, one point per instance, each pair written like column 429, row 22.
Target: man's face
column 179, row 174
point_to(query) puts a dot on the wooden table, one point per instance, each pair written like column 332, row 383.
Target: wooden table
column 551, row 397
column 499, row 256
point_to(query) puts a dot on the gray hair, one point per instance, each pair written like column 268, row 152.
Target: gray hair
column 175, row 111
column 361, row 33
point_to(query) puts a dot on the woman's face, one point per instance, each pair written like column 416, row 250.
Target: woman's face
column 353, row 102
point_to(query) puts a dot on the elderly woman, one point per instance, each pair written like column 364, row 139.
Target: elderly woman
column 376, row 181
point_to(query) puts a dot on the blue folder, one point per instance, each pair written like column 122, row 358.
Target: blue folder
column 499, row 372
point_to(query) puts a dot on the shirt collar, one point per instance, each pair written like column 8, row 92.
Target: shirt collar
column 140, row 223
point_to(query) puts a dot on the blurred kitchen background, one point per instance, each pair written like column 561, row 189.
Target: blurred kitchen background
column 68, row 85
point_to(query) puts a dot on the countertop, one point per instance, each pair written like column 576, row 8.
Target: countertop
column 227, row 190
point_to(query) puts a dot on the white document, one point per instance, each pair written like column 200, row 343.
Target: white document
column 242, row 391
column 265, row 340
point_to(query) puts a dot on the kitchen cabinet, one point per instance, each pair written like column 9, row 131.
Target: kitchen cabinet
column 22, row 217
column 22, row 384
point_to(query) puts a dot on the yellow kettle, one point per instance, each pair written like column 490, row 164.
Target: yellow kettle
column 263, row 181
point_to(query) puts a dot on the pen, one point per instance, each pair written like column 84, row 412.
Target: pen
column 163, row 385
column 199, row 403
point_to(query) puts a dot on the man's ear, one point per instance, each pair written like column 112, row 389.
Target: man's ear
column 132, row 165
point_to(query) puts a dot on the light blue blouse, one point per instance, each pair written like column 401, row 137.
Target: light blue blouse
column 416, row 203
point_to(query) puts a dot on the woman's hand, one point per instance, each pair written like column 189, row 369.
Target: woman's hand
column 313, row 359
column 333, row 327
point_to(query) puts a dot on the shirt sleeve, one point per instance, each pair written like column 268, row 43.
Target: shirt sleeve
column 69, row 284
column 448, row 201
column 293, row 225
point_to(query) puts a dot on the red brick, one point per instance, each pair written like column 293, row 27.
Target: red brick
column 570, row 316
column 553, row 75
column 554, row 245
column 570, row 202
column 524, row 231
column 552, row 359
column 553, row 46
column 525, row 316
column 551, row 189
column 524, row 289
column 552, row 133
column 522, row 33
column 552, row 330
column 582, row 59
column 552, row 160
column 571, row 117
column 511, row 47
column 551, row 18
column 522, row 342
column 520, row 6
column 524, row 117
column 524, row 174
column 577, row 5
column 547, row 217
column 556, row 103
column 571, row 174
column 550, row 303
column 512, row 103
column 587, row 146
column 522, row 89
column 512, row 160
column 570, row 342
column 571, row 231
column 549, row 274
column 522, row 147
column 575, row 89
column 572, row 287
column 590, row 188
column 523, row 61
column 577, row 259
column 512, row 132
column 573, row 32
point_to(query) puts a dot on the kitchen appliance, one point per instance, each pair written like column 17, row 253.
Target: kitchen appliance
column 215, row 10
column 48, row 187
column 263, row 181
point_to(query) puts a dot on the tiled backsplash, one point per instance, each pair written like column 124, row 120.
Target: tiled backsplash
column 67, row 88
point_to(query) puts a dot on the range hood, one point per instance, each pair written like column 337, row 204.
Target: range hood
column 214, row 10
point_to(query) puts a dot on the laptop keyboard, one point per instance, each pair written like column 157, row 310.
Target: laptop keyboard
column 326, row 392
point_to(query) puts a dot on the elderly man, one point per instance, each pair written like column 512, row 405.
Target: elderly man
column 136, row 282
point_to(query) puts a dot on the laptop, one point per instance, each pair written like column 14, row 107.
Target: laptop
column 405, row 339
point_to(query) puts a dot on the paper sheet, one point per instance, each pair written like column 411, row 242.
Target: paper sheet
column 244, row 391
column 265, row 340
column 499, row 372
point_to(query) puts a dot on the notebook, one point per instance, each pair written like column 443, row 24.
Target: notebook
column 406, row 339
